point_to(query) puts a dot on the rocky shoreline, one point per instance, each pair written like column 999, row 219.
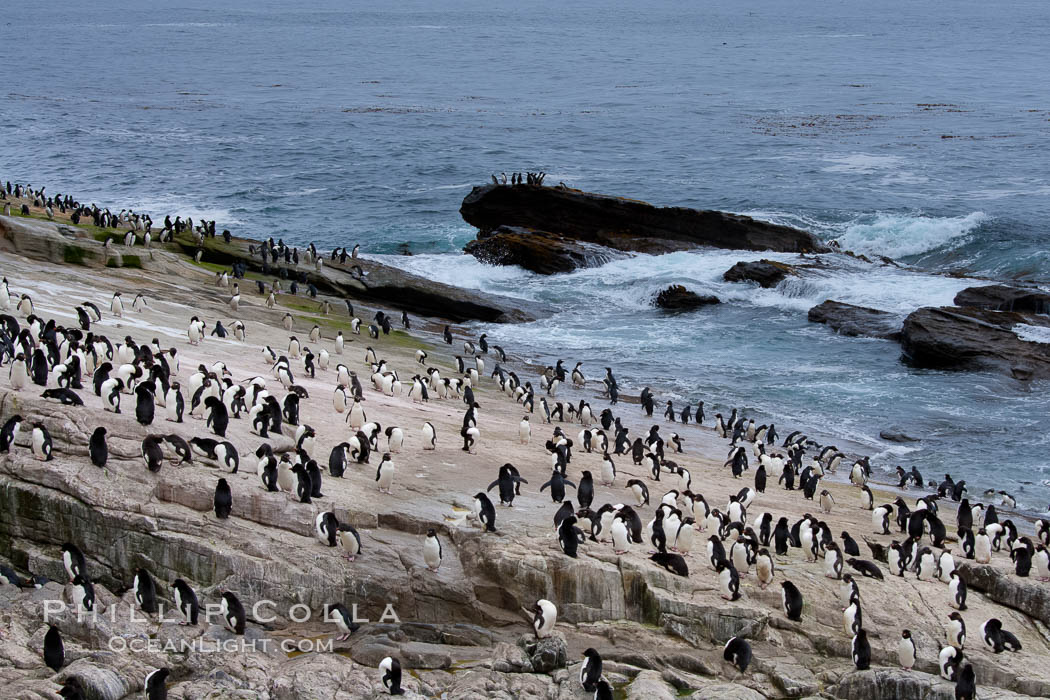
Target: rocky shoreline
column 551, row 230
column 462, row 633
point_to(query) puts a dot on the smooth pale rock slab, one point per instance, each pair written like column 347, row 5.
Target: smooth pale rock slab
column 649, row 685
column 726, row 691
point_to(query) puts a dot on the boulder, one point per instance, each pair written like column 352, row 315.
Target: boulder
column 766, row 272
column 547, row 654
column 974, row 339
column 1001, row 297
column 678, row 298
column 851, row 320
column 538, row 251
column 625, row 224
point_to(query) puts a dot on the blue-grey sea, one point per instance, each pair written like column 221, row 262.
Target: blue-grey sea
column 917, row 130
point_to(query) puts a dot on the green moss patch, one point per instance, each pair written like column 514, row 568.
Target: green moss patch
column 73, row 255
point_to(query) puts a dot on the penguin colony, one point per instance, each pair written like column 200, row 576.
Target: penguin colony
column 650, row 499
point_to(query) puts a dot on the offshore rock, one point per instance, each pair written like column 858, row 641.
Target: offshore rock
column 625, row 224
column 678, row 298
column 1001, row 297
column 851, row 320
column 538, row 251
column 973, row 339
column 766, row 272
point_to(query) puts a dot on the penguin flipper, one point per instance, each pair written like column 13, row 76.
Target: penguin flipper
column 545, row 486
column 569, row 483
column 492, row 485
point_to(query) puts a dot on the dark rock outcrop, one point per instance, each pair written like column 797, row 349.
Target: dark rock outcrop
column 625, row 224
column 678, row 298
column 539, row 251
column 851, row 320
column 974, row 339
column 897, row 436
column 767, row 273
column 1000, row 297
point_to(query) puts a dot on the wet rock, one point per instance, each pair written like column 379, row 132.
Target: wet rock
column 539, row 251
column 678, row 298
column 625, row 224
column 1001, row 297
column 896, row 436
column 972, row 339
column 851, row 320
column 547, row 654
column 766, row 272
column 1026, row 595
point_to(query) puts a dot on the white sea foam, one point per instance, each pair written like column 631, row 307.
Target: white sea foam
column 893, row 235
column 899, row 235
column 1032, row 334
column 631, row 283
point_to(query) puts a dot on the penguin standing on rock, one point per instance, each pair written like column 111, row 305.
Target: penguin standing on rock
column 185, row 602
column 9, row 432
column 41, row 443
column 486, row 513
column 97, row 448
column 557, row 484
column 145, row 591
column 509, row 482
column 152, row 454
column 232, row 613
column 906, row 650
column 391, row 670
column 54, row 650
column 737, row 651
column 590, row 670
column 432, row 550
column 155, row 688
column 792, row 600
column 341, row 617
column 861, row 650
column 544, row 617
column 73, row 560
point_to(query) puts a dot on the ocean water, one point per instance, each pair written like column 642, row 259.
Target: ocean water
column 914, row 130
